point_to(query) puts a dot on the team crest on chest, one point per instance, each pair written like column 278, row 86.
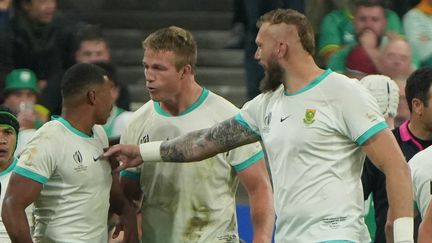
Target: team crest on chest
column 309, row 116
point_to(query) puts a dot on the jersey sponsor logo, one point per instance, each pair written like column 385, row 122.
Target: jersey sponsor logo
column 284, row 118
column 309, row 116
column 79, row 162
column 97, row 157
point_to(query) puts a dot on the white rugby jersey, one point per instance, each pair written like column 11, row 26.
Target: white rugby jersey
column 4, row 180
column 73, row 204
column 421, row 173
column 312, row 139
column 188, row 202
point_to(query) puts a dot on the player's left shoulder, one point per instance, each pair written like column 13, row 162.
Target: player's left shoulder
column 218, row 103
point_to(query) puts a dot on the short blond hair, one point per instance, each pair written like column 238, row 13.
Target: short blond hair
column 177, row 40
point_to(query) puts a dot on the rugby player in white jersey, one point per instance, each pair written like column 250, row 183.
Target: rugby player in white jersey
column 61, row 172
column 191, row 202
column 9, row 129
column 316, row 126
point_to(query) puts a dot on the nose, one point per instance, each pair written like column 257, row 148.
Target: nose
column 3, row 139
column 257, row 55
column 149, row 75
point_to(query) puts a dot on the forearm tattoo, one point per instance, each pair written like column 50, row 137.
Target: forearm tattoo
column 206, row 143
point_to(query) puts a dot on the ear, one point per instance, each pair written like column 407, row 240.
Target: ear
column 282, row 49
column 186, row 70
column 417, row 106
column 91, row 97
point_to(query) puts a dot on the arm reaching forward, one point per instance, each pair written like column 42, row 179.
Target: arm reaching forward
column 194, row 146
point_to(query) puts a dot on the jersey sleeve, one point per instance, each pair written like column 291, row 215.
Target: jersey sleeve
column 127, row 137
column 422, row 179
column 251, row 115
column 37, row 161
column 245, row 156
column 360, row 115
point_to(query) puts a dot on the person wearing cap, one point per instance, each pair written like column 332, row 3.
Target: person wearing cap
column 9, row 130
column 21, row 95
column 413, row 136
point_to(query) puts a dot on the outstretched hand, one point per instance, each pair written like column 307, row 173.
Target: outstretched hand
column 127, row 154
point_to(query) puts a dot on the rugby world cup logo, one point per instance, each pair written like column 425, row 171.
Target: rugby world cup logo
column 77, row 157
column 144, row 139
column 79, row 161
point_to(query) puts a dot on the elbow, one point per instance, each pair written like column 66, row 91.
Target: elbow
column 388, row 229
column 6, row 208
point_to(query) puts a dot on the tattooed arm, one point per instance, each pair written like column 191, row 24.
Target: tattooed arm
column 205, row 143
column 194, row 146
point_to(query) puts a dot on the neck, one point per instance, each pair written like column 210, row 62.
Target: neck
column 4, row 166
column 300, row 72
column 83, row 123
column 419, row 130
column 183, row 100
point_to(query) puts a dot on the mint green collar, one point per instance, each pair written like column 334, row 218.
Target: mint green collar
column 197, row 103
column 70, row 127
column 10, row 167
column 312, row 84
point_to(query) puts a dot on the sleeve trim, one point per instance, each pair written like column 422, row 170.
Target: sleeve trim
column 371, row 132
column 244, row 124
column 130, row 174
column 30, row 174
column 245, row 164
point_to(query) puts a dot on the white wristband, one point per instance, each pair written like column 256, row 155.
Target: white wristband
column 403, row 230
column 150, row 152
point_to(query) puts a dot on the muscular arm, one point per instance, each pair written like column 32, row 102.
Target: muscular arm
column 194, row 146
column 205, row 143
column 256, row 181
column 21, row 192
column 425, row 230
column 384, row 152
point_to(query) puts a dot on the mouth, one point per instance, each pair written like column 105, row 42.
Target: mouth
column 3, row 152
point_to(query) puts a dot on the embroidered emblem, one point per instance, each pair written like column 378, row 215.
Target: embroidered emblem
column 144, row 139
column 309, row 116
column 79, row 161
column 267, row 119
